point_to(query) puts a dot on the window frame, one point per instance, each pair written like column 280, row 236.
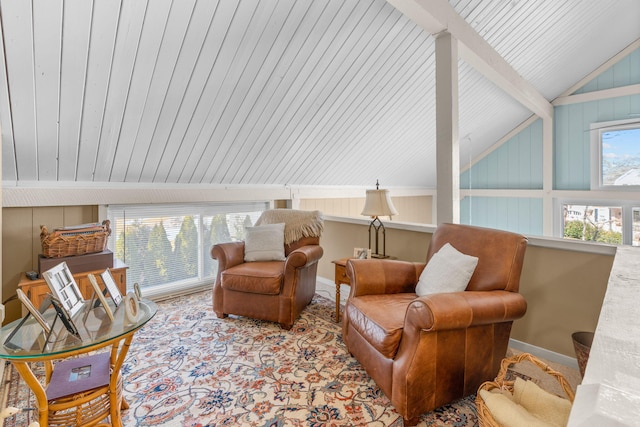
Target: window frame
column 596, row 131
column 627, row 207
column 177, row 209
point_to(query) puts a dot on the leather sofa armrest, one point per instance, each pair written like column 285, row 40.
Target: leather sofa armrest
column 382, row 276
column 304, row 256
column 228, row 254
column 459, row 310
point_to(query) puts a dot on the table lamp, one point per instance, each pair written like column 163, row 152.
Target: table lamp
column 378, row 203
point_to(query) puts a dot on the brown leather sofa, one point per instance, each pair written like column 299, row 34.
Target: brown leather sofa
column 424, row 352
column 275, row 291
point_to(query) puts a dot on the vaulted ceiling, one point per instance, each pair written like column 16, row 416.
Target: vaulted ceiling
column 287, row 92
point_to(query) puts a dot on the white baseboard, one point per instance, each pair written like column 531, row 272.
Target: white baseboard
column 167, row 293
column 545, row 354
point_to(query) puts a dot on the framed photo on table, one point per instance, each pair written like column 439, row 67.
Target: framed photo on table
column 100, row 296
column 33, row 311
column 64, row 288
column 362, row 253
column 111, row 286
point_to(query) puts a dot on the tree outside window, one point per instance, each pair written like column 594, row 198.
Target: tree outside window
column 168, row 249
column 593, row 223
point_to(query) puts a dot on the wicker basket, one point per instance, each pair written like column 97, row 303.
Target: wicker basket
column 72, row 241
column 484, row 416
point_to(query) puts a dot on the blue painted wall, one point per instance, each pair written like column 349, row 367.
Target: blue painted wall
column 624, row 72
column 520, row 215
column 572, row 137
column 517, row 164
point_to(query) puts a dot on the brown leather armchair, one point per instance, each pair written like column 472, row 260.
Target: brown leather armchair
column 424, row 352
column 275, row 291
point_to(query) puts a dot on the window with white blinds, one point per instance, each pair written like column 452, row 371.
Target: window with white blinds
column 167, row 246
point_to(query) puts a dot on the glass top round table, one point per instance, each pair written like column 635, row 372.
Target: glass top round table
column 95, row 329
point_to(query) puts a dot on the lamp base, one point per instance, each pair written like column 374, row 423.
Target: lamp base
column 379, row 256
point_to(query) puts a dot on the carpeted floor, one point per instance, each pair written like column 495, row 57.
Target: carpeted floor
column 188, row 368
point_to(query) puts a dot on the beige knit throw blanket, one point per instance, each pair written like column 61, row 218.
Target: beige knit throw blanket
column 297, row 224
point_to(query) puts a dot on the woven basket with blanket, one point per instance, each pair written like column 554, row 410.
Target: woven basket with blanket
column 74, row 240
column 506, row 403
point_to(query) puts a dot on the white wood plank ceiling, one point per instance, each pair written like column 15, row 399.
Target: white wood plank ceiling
column 298, row 92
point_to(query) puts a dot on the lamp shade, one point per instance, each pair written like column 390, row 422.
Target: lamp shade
column 378, row 203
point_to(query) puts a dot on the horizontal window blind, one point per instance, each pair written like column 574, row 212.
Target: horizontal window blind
column 167, row 246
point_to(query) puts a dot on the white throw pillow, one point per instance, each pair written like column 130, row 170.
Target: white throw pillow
column 264, row 243
column 448, row 270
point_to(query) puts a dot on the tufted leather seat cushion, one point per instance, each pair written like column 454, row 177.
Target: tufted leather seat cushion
column 380, row 319
column 254, row 277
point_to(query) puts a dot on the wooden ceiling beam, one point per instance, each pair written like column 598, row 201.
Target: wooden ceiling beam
column 435, row 16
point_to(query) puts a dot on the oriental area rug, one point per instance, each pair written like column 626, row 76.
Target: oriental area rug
column 188, row 368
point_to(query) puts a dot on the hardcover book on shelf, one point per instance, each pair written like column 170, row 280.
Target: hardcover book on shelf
column 77, row 375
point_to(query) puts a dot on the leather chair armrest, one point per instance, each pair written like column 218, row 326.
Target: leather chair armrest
column 459, row 310
column 228, row 254
column 382, row 276
column 304, row 256
column 297, row 265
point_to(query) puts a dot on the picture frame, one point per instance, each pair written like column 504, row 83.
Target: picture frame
column 111, row 286
column 100, row 296
column 34, row 311
column 362, row 253
column 63, row 314
column 64, row 288
column 137, row 292
column 131, row 307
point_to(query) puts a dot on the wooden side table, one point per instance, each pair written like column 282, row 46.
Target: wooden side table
column 340, row 278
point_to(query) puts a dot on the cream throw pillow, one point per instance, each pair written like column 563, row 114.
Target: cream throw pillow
column 448, row 270
column 264, row 243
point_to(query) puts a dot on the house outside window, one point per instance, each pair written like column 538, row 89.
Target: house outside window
column 617, row 224
column 615, row 168
column 593, row 223
column 615, row 156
